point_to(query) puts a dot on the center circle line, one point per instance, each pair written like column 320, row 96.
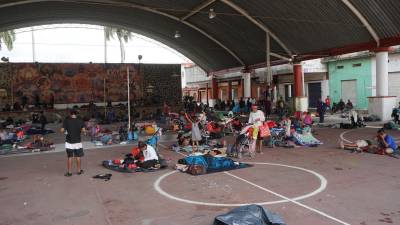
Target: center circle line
column 322, row 187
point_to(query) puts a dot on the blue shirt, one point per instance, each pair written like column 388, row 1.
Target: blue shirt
column 391, row 142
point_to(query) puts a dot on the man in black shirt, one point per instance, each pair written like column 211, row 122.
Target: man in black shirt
column 73, row 126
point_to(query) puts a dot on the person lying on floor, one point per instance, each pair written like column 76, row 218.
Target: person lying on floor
column 359, row 146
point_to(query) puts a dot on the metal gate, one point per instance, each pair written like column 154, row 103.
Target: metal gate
column 314, row 93
column 349, row 91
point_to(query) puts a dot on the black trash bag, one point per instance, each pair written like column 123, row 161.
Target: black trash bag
column 249, row 215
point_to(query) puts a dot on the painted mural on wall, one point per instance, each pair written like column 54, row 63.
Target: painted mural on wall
column 82, row 83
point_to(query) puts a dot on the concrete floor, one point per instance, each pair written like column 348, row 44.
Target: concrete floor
column 361, row 188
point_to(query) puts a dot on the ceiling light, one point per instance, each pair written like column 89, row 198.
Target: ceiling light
column 212, row 14
column 177, row 34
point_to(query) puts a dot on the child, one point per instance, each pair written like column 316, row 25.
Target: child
column 196, row 134
column 387, row 142
column 359, row 146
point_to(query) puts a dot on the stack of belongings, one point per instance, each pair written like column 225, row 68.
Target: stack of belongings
column 39, row 144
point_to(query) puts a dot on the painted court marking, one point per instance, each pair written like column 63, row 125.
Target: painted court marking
column 289, row 200
column 322, row 187
column 348, row 131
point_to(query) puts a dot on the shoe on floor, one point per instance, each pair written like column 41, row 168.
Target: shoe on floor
column 80, row 172
column 68, row 174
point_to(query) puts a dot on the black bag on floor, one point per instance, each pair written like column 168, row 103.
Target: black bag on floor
column 249, row 214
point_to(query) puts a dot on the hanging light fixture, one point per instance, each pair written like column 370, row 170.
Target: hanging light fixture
column 177, row 34
column 211, row 14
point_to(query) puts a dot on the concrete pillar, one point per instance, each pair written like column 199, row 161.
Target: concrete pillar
column 382, row 73
column 207, row 100
column 247, row 85
column 214, row 85
column 214, row 92
column 230, row 90
column 298, row 80
column 381, row 105
column 300, row 101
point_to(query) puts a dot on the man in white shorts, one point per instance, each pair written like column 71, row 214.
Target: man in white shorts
column 73, row 126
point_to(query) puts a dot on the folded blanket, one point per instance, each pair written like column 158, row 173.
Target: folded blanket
column 306, row 139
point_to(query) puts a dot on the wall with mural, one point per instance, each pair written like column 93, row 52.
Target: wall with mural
column 64, row 83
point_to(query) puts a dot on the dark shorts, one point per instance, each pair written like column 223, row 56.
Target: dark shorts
column 75, row 152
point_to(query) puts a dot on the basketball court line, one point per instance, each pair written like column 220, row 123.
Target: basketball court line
column 286, row 199
column 348, row 131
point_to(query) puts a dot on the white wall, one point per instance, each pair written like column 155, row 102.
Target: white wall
column 195, row 74
column 373, row 76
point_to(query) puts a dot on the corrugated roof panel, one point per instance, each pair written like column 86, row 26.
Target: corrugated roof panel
column 309, row 25
column 236, row 32
column 383, row 15
column 177, row 8
column 193, row 45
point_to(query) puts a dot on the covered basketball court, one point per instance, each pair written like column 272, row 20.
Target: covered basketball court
column 306, row 186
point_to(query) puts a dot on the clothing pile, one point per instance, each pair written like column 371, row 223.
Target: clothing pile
column 305, row 138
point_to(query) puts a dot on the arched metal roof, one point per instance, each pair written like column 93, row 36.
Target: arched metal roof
column 236, row 36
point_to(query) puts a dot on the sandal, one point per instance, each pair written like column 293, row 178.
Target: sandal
column 68, row 174
column 80, row 172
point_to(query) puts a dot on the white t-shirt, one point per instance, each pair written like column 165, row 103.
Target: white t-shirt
column 257, row 118
column 150, row 153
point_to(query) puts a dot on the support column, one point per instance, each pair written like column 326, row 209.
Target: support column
column 247, row 84
column 208, row 102
column 230, row 90
column 382, row 74
column 214, row 92
column 298, row 80
column 300, row 101
column 381, row 105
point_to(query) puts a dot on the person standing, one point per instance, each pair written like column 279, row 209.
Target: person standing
column 328, row 102
column 321, row 108
column 242, row 105
column 280, row 108
column 248, row 103
column 268, row 107
column 73, row 126
column 196, row 133
column 257, row 118
column 42, row 120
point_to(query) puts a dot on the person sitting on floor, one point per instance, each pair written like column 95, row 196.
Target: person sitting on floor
column 387, row 143
column 307, row 121
column 150, row 156
column 349, row 104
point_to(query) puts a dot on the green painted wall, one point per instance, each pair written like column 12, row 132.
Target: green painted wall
column 362, row 74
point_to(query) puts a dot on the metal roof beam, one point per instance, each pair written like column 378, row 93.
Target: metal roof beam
column 258, row 24
column 363, row 21
column 141, row 7
column 198, row 8
column 280, row 56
